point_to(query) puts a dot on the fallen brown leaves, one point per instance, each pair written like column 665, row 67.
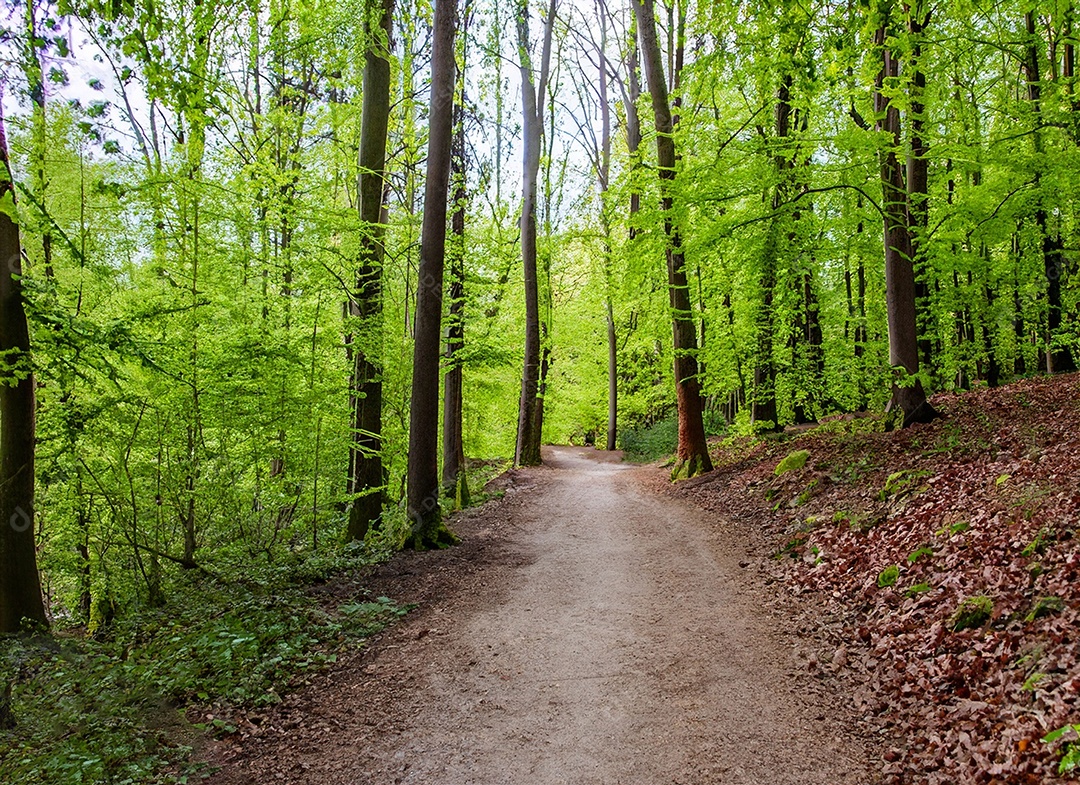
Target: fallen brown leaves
column 984, row 503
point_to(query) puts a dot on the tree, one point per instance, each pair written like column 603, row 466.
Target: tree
column 424, row 512
column 20, row 585
column 908, row 393
column 454, row 479
column 366, row 475
column 533, row 97
column 1057, row 357
column 604, row 178
column 692, row 454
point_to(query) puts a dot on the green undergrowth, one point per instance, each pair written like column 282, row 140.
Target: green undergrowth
column 396, row 531
column 112, row 709
column 647, row 443
column 480, row 473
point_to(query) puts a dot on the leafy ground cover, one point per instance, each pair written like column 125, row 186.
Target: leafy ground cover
column 129, row 703
column 943, row 562
column 127, row 706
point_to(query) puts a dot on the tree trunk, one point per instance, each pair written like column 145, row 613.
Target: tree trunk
column 527, row 451
column 20, row 584
column 367, row 479
column 455, row 483
column 32, row 69
column 908, row 392
column 424, row 513
column 692, row 453
column 1058, row 358
column 603, row 176
column 763, row 410
column 633, row 123
column 918, row 181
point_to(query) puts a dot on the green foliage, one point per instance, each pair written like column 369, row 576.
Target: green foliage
column 916, row 589
column 971, row 612
column 918, row 553
column 110, row 710
column 888, row 576
column 650, row 442
column 792, row 462
column 903, row 484
column 1045, row 606
column 1069, row 736
column 1039, row 542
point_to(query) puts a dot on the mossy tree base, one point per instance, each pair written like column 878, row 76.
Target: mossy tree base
column 685, row 468
column 431, row 534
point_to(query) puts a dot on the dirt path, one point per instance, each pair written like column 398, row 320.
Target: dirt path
column 598, row 635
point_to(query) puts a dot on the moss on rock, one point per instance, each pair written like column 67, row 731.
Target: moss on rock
column 793, row 462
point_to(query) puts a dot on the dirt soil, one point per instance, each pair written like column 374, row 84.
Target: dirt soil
column 588, row 630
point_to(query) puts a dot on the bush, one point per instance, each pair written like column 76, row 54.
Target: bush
column 652, row 442
column 647, row 443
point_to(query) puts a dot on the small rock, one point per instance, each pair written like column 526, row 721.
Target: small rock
column 839, row 658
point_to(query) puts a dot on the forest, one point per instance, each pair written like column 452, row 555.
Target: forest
column 287, row 281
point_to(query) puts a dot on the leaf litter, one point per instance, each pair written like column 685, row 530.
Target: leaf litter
column 964, row 656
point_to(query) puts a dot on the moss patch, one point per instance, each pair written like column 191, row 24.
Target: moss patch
column 684, row 470
column 888, row 576
column 793, row 462
column 971, row 612
column 1045, row 606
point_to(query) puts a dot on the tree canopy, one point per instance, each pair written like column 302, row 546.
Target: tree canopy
column 729, row 216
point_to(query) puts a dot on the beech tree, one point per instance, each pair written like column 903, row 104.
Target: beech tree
column 20, row 586
column 692, row 453
column 454, row 478
column 908, row 393
column 533, row 99
column 366, row 476
column 428, row 529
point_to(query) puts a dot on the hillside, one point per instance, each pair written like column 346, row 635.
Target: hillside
column 883, row 536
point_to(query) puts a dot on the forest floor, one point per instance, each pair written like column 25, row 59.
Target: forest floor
column 599, row 625
column 886, row 535
column 588, row 630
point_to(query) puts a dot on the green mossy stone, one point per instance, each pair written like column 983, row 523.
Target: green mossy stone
column 793, row 462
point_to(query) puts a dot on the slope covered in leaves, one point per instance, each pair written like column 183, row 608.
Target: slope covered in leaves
column 897, row 536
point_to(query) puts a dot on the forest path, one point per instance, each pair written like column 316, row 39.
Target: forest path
column 603, row 636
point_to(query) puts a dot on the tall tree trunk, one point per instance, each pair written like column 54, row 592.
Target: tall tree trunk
column 603, row 178
column 367, row 479
column 763, row 410
column 527, row 451
column 32, row 68
column 907, row 392
column 918, row 179
column 194, row 123
column 692, row 453
column 20, row 584
column 455, row 483
column 633, row 122
column 1058, row 358
column 424, row 512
